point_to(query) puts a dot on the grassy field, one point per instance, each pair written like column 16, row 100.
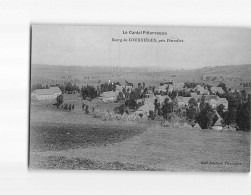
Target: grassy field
column 65, row 140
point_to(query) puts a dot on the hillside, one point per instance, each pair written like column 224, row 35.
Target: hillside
column 232, row 75
column 241, row 71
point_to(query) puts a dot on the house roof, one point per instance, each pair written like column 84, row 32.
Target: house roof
column 209, row 97
column 56, row 89
column 194, row 94
column 179, row 84
column 118, row 87
column 218, row 122
column 180, row 98
column 199, row 88
column 146, row 107
column 217, row 89
column 161, row 99
column 222, row 100
column 43, row 92
column 150, row 99
column 206, row 91
column 109, row 94
column 162, row 87
column 186, row 99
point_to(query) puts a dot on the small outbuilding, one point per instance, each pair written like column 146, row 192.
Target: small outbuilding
column 218, row 125
column 165, row 124
column 187, row 126
column 197, row 126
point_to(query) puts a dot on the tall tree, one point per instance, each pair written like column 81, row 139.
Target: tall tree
column 60, row 99
column 206, row 116
column 243, row 117
column 167, row 108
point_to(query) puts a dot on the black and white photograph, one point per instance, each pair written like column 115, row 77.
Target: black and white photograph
column 124, row 97
column 139, row 98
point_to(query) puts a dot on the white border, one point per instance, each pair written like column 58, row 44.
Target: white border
column 15, row 19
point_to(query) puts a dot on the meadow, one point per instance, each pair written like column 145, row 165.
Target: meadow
column 65, row 140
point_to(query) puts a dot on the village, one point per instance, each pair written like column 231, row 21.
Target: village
column 174, row 104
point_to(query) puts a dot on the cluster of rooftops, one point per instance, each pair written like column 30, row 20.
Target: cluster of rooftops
column 149, row 99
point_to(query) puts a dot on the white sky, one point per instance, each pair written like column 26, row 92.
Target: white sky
column 92, row 46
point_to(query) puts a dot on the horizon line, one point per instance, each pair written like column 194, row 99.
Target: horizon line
column 135, row 67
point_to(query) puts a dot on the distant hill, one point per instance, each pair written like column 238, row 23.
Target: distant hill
column 243, row 71
column 232, row 75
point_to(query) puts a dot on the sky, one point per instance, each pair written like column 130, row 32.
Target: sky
column 93, row 46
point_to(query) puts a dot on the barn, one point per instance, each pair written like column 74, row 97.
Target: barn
column 109, row 96
column 46, row 94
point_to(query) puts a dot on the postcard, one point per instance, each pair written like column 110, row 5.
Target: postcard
column 140, row 98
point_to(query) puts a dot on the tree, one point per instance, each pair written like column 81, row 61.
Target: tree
column 128, row 83
column 83, row 107
column 68, row 88
column 167, row 108
column 131, row 103
column 191, row 113
column 244, row 95
column 88, row 92
column 173, row 94
column 139, row 86
column 120, row 96
column 223, row 86
column 151, row 115
column 190, row 85
column 206, row 116
column 157, row 107
column 121, row 109
column 135, row 94
column 243, row 117
column 60, row 99
column 86, row 109
column 192, row 102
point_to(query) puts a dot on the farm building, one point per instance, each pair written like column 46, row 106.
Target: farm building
column 119, row 88
column 56, row 90
column 150, row 99
column 183, row 101
column 46, row 94
column 201, row 90
column 224, row 102
column 212, row 100
column 196, row 96
column 215, row 101
column 109, row 96
column 214, row 90
column 161, row 88
column 161, row 99
column 180, row 101
column 218, row 125
column 145, row 109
